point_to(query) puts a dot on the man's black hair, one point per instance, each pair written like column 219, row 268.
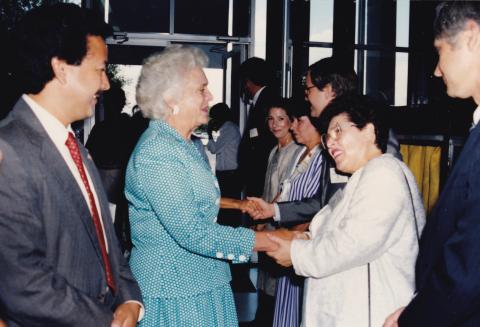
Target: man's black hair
column 257, row 71
column 47, row 32
column 335, row 72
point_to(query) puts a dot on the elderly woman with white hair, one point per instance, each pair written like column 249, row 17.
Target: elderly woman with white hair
column 180, row 254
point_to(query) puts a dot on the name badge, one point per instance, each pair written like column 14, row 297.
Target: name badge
column 336, row 178
column 253, row 133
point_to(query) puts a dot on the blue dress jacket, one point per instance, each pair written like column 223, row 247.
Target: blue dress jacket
column 179, row 249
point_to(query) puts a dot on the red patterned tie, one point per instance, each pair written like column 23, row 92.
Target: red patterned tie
column 72, row 146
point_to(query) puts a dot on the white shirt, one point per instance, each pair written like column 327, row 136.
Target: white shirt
column 476, row 116
column 256, row 96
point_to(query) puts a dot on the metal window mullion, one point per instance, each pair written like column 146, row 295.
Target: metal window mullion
column 171, row 28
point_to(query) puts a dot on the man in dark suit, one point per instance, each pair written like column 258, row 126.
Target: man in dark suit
column 255, row 146
column 60, row 264
column 448, row 264
column 257, row 140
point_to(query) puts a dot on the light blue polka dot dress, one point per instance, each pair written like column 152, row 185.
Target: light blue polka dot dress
column 180, row 253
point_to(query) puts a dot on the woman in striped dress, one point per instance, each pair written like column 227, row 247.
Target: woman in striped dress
column 303, row 182
column 281, row 161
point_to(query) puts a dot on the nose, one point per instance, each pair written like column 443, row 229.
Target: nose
column 105, row 82
column 330, row 141
column 209, row 95
column 294, row 125
column 437, row 72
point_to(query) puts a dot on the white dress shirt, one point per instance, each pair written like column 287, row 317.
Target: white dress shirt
column 476, row 116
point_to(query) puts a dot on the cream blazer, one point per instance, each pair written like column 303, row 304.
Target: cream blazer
column 360, row 260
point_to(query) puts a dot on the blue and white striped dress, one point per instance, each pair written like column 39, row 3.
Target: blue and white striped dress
column 303, row 183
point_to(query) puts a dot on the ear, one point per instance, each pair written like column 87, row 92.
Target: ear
column 369, row 130
column 59, row 68
column 169, row 99
column 472, row 31
column 329, row 91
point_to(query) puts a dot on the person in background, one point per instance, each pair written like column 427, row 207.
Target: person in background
column 281, row 163
column 224, row 139
column 257, row 141
column 447, row 283
column 138, row 122
column 180, row 254
column 303, row 182
column 110, row 144
column 60, row 264
column 326, row 80
column 360, row 251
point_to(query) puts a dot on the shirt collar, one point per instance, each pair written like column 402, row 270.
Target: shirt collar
column 257, row 95
column 476, row 116
column 54, row 128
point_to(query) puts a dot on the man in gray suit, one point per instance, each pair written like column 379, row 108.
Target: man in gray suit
column 60, row 264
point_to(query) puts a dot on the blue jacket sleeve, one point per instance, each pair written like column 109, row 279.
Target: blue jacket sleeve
column 173, row 192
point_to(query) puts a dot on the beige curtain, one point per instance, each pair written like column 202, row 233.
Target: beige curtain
column 424, row 162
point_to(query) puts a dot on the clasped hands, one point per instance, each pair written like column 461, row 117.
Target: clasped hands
column 277, row 244
column 256, row 208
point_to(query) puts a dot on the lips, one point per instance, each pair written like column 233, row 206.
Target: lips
column 335, row 153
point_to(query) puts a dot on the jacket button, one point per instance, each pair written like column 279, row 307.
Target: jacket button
column 219, row 255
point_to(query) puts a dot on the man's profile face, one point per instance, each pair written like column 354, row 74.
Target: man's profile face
column 457, row 59
column 318, row 99
column 86, row 81
column 245, row 91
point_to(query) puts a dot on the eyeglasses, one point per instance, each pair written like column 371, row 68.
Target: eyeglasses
column 335, row 133
column 307, row 88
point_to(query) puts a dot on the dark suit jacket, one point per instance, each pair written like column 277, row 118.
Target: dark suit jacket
column 254, row 151
column 51, row 270
column 448, row 264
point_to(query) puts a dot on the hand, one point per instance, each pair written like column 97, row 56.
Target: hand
column 392, row 320
column 262, row 209
column 283, row 233
column 301, row 227
column 282, row 254
column 259, row 227
column 263, row 243
column 126, row 315
column 247, row 206
column 302, row 236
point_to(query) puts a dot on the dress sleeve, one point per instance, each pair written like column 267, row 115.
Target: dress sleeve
column 172, row 193
column 369, row 225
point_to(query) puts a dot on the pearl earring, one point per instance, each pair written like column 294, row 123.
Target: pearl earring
column 175, row 110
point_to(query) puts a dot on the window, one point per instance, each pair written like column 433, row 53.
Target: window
column 382, row 49
column 321, row 30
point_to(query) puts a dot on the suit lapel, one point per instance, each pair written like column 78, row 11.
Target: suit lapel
column 58, row 169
